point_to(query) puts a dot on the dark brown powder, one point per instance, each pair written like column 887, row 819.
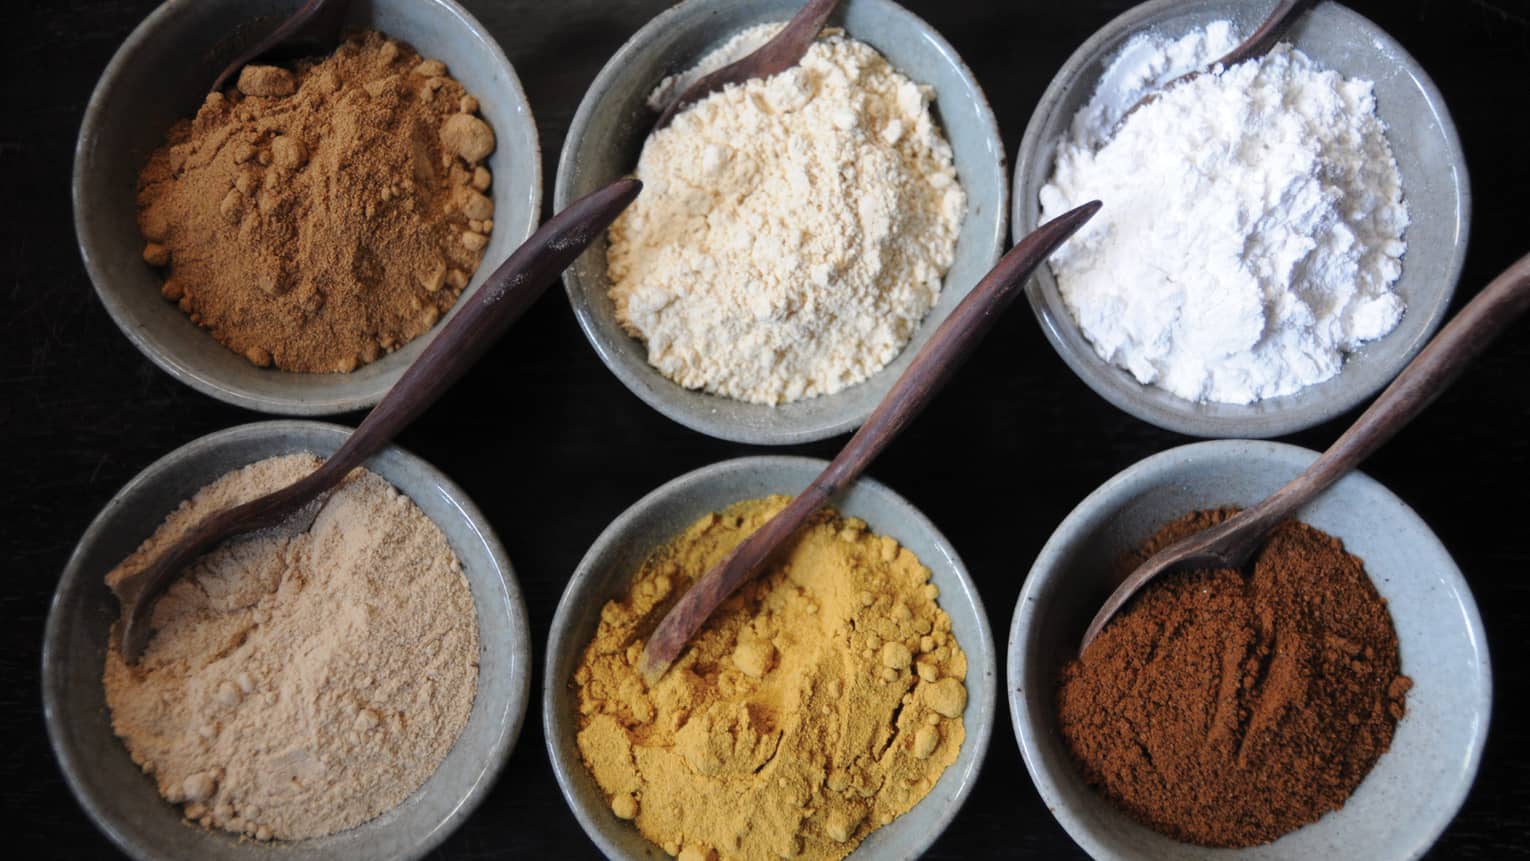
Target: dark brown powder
column 1226, row 709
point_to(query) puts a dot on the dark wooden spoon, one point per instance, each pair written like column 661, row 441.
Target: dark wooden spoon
column 1231, row 543
column 482, row 319
column 924, row 377
column 783, row 51
column 313, row 29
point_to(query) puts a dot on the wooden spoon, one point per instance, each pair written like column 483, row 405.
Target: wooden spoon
column 783, row 51
column 1257, row 44
column 481, row 320
column 926, row 375
column 313, row 29
column 1231, row 543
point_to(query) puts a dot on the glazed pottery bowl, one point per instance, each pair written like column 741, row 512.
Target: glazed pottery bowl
column 161, row 74
column 1406, row 801
column 657, row 518
column 1435, row 188
column 124, row 802
column 608, row 134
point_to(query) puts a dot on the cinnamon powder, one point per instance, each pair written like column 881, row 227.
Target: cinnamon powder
column 1226, row 709
column 318, row 219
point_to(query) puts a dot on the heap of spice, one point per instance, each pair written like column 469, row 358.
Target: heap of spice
column 820, row 702
column 316, row 220
column 300, row 684
column 1227, row 709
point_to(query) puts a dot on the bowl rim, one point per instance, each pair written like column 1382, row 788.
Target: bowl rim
column 190, row 373
column 645, row 381
column 1116, row 385
column 1159, row 469
column 54, row 653
column 982, row 654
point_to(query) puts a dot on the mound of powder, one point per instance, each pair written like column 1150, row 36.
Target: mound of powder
column 1252, row 226
column 315, row 221
column 301, row 684
column 820, row 702
column 792, row 232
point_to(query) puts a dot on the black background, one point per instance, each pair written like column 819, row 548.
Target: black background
column 552, row 446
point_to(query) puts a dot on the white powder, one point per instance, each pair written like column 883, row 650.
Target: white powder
column 1252, row 225
column 792, row 232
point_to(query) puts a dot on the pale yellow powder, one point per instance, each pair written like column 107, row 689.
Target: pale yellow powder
column 300, row 684
column 820, row 702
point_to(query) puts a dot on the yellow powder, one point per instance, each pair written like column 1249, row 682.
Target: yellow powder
column 820, row 702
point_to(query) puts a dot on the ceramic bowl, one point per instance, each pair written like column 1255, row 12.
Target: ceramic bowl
column 1406, row 801
column 160, row 74
column 620, row 551
column 124, row 802
column 1429, row 157
column 607, row 136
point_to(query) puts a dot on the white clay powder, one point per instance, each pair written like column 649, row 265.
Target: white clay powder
column 792, row 232
column 1252, row 226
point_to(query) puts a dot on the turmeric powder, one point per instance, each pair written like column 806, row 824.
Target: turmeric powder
column 819, row 703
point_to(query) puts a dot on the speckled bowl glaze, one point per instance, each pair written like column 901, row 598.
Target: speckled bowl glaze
column 614, row 120
column 1416, row 787
column 160, row 74
column 1435, row 186
column 124, row 802
column 620, row 551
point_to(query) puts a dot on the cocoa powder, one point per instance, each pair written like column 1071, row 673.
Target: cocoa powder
column 315, row 220
column 1226, row 708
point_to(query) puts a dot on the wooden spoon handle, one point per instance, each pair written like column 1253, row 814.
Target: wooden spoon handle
column 784, row 50
column 1424, row 379
column 316, row 23
column 935, row 364
column 1274, row 27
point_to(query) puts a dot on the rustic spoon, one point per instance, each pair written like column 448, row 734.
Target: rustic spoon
column 783, row 51
column 1257, row 44
column 482, row 319
column 925, row 376
column 313, row 29
column 1231, row 543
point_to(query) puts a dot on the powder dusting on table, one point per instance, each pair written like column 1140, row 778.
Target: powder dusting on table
column 793, row 231
column 820, row 702
column 318, row 220
column 1227, row 709
column 300, row 684
column 1253, row 220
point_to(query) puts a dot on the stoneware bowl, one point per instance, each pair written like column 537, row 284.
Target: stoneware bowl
column 124, row 802
column 620, row 551
column 161, row 74
column 1429, row 157
column 1415, row 788
column 614, row 120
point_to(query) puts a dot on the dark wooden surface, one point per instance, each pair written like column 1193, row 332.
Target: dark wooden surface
column 552, row 447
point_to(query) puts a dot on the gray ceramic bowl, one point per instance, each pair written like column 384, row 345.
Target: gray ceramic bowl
column 124, row 803
column 607, row 136
column 1429, row 156
column 1416, row 787
column 160, row 75
column 620, row 551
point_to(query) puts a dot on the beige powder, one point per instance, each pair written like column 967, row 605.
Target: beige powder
column 302, row 684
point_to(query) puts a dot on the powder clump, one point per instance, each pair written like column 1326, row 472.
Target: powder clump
column 819, row 703
column 316, row 220
column 300, row 684
column 793, row 231
column 1227, row 709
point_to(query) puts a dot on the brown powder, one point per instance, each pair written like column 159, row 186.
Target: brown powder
column 319, row 219
column 1227, row 709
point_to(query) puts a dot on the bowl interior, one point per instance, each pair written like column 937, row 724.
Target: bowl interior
column 1414, row 789
column 160, row 75
column 607, row 569
column 607, row 137
column 1429, row 158
column 124, row 802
